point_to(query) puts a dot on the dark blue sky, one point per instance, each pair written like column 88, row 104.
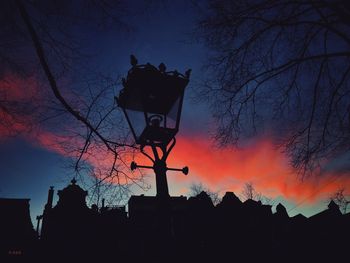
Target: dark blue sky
column 27, row 171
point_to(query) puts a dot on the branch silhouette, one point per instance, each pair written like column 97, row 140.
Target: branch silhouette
column 282, row 65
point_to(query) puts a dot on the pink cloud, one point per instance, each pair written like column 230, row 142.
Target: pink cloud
column 261, row 163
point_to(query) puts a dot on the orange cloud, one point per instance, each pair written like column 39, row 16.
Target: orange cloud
column 224, row 169
column 261, row 163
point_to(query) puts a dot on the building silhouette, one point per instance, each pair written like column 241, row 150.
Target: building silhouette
column 71, row 229
column 17, row 236
column 179, row 228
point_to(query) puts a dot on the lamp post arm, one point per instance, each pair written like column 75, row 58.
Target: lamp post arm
column 183, row 170
column 134, row 166
column 155, row 152
column 166, row 153
column 144, row 166
column 147, row 155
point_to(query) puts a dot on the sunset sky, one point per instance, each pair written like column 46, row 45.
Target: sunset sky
column 32, row 161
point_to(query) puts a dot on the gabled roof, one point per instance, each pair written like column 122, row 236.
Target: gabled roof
column 231, row 198
column 299, row 219
column 333, row 211
column 202, row 200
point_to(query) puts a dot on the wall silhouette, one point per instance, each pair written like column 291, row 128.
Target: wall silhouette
column 171, row 230
column 17, row 236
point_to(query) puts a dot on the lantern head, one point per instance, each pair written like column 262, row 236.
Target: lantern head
column 151, row 100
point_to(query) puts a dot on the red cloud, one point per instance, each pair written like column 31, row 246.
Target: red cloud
column 97, row 157
column 261, row 163
column 227, row 169
column 21, row 100
column 18, row 103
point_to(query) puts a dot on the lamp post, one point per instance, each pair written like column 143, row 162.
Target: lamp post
column 151, row 100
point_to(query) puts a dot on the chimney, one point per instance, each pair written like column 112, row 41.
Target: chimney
column 49, row 198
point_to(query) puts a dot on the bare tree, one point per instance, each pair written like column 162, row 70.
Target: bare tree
column 284, row 65
column 249, row 192
column 39, row 38
column 197, row 188
column 341, row 199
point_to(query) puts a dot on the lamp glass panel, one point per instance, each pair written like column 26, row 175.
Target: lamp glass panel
column 172, row 115
column 137, row 120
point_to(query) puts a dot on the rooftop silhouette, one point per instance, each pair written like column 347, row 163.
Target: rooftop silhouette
column 191, row 228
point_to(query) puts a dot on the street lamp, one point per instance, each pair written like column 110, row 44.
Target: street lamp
column 151, row 100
